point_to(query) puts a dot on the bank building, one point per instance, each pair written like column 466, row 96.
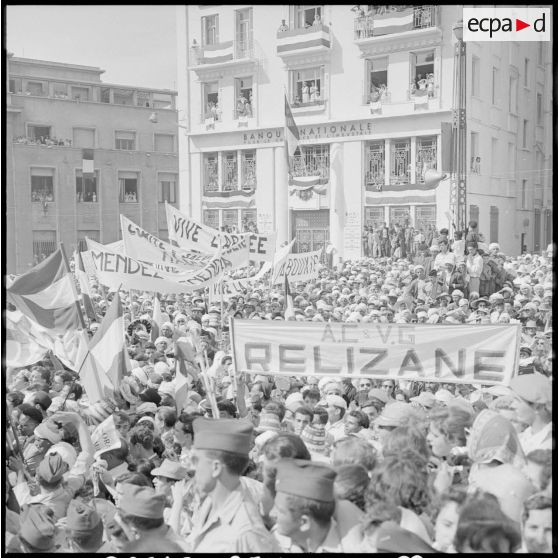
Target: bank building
column 374, row 93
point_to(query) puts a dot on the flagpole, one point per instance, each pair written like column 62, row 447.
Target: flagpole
column 80, row 313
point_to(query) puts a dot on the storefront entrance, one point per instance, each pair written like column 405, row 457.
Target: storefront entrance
column 310, row 230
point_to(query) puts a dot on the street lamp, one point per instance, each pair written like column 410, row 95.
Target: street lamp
column 459, row 129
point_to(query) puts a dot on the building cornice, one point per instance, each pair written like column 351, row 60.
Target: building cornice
column 407, row 41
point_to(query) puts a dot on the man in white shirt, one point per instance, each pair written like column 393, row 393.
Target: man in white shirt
column 336, row 409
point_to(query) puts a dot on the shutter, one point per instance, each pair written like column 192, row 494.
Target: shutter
column 203, row 33
column 84, row 137
column 217, row 29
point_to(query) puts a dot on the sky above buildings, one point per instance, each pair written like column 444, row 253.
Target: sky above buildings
column 135, row 45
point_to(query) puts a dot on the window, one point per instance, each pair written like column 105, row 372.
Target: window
column 243, row 97
column 210, row 30
column 82, row 242
column 80, row 93
column 495, row 85
column 211, row 173
column 539, row 161
column 128, row 187
column 475, row 158
column 523, row 193
column 167, row 188
column 474, row 215
column 526, row 73
column 374, row 217
column 306, row 16
column 42, row 184
column 211, row 100
column 37, row 88
column 164, row 143
column 86, row 188
column 249, row 221
column 475, row 83
column 211, row 218
column 313, row 161
column 426, row 157
column 540, row 54
column 377, row 74
column 511, row 157
column 230, row 220
column 60, row 90
column 524, row 133
column 83, row 137
column 14, row 85
column 307, row 86
column 425, row 215
column 162, row 101
column 494, row 156
column 493, row 223
column 375, row 173
column 123, row 97
column 44, row 244
column 512, row 98
column 422, row 72
column 244, row 33
column 539, row 109
column 105, row 94
column 400, row 161
column 125, row 140
column 143, row 99
column 38, row 132
column 230, row 171
column 248, row 175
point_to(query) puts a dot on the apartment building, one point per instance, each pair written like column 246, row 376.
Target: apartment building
column 60, row 114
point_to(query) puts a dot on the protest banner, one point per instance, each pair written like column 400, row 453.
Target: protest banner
column 191, row 235
column 486, row 354
column 298, row 267
column 142, row 245
column 114, row 270
column 105, row 437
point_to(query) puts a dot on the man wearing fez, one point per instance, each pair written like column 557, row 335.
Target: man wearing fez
column 228, row 520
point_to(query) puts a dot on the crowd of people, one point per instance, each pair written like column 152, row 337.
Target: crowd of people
column 297, row 464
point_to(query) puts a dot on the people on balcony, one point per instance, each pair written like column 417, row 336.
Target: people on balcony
column 306, row 92
column 430, row 84
column 283, row 27
column 317, row 20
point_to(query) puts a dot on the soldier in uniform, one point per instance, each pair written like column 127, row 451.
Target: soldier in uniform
column 228, row 519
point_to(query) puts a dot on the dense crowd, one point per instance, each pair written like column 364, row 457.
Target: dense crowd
column 297, row 464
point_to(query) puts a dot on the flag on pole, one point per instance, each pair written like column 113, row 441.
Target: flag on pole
column 108, row 346
column 289, row 310
column 157, row 319
column 185, row 355
column 292, row 136
column 88, row 163
column 22, row 349
column 83, row 281
column 421, row 98
column 47, row 294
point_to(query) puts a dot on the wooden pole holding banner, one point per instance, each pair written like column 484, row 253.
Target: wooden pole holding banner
column 67, row 265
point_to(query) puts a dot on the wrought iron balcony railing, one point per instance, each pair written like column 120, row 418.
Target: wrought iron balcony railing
column 387, row 21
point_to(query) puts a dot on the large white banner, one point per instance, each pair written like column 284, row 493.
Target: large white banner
column 486, row 354
column 142, row 245
column 190, row 235
column 298, row 267
column 115, row 270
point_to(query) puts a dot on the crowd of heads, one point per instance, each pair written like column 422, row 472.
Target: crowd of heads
column 391, row 465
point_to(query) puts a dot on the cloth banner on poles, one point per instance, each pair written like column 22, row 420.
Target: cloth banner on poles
column 235, row 287
column 115, row 269
column 433, row 353
column 142, row 245
column 190, row 235
column 298, row 267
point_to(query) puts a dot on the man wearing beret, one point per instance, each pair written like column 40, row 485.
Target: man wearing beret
column 84, row 528
column 228, row 520
column 305, row 506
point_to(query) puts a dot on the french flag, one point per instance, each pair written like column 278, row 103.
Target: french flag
column 83, row 281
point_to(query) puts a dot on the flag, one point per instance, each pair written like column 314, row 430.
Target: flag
column 83, row 280
column 47, row 294
column 22, row 349
column 108, row 346
column 394, row 21
column 105, row 437
column 87, row 163
column 289, row 310
column 292, row 136
column 421, row 98
column 185, row 355
column 157, row 319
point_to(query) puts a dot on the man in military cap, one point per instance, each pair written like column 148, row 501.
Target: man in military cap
column 228, row 519
column 84, row 528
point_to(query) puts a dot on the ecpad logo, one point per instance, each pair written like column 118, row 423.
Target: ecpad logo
column 506, row 24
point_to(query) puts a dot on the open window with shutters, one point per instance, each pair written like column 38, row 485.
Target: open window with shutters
column 422, row 74
column 14, row 85
column 80, row 93
column 38, row 132
column 210, row 29
column 167, row 187
column 60, row 90
column 376, row 79
column 128, row 183
column 244, row 97
column 243, row 33
column 42, row 184
column 86, row 187
column 307, row 86
column 211, row 108
column 304, row 17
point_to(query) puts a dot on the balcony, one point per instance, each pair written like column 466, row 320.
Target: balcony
column 243, row 116
column 314, row 40
column 237, row 56
column 317, row 165
column 422, row 98
column 210, row 117
column 387, row 28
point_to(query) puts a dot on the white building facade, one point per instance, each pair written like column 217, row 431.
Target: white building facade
column 370, row 91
